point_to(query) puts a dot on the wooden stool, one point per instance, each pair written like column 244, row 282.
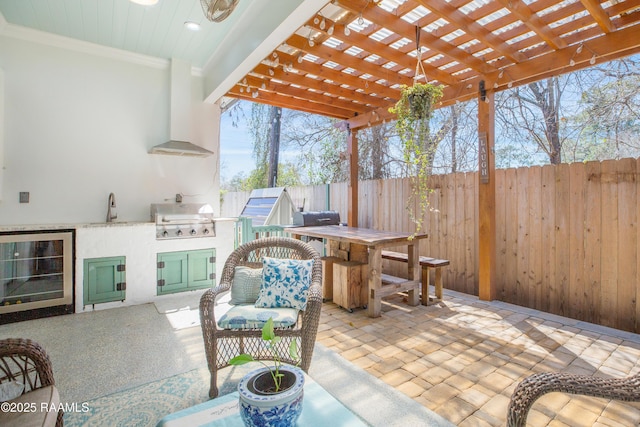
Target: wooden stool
column 350, row 284
column 427, row 264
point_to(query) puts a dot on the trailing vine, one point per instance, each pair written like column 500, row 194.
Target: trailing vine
column 413, row 115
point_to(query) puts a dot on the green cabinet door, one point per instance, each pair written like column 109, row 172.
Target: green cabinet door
column 104, row 280
column 201, row 269
column 172, row 272
column 185, row 270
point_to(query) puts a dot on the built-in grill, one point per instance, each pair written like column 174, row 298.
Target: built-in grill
column 310, row 219
column 183, row 220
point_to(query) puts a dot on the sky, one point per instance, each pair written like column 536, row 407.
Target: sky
column 236, row 149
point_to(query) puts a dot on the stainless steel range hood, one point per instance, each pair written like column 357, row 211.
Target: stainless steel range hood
column 178, row 144
column 180, row 148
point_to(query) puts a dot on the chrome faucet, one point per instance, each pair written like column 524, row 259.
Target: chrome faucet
column 111, row 210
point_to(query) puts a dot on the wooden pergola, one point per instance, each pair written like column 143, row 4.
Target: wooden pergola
column 350, row 61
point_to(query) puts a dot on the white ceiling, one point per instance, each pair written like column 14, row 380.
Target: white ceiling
column 253, row 30
column 156, row 31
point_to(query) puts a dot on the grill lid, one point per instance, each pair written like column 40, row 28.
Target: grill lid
column 309, row 219
column 181, row 213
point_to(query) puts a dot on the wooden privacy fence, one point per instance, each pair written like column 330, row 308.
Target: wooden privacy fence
column 567, row 238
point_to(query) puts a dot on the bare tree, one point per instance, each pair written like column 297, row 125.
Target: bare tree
column 458, row 146
column 611, row 111
column 532, row 113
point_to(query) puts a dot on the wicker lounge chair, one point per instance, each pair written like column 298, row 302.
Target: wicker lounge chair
column 26, row 362
column 223, row 344
column 535, row 386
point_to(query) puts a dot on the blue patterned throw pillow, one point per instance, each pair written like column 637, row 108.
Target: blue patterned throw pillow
column 285, row 283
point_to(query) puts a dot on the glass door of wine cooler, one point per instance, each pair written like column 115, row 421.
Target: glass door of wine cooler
column 35, row 271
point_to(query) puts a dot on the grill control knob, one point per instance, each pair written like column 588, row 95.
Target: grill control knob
column 165, row 233
column 206, row 231
column 179, row 233
column 193, row 232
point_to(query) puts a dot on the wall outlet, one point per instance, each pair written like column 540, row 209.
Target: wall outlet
column 24, row 197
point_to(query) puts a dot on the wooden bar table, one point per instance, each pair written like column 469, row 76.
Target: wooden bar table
column 375, row 241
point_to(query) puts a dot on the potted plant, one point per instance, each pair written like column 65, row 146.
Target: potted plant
column 271, row 395
column 413, row 113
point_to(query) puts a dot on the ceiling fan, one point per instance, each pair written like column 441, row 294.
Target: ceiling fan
column 218, row 10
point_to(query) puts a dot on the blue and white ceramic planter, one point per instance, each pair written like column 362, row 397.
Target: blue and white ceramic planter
column 280, row 409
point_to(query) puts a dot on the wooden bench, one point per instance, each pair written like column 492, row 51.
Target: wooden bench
column 426, row 263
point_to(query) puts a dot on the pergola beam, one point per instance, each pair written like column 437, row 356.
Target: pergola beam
column 298, row 92
column 291, row 102
column 319, row 85
column 601, row 17
column 534, row 23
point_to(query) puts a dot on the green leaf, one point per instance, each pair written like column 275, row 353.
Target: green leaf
column 293, row 349
column 241, row 359
column 267, row 330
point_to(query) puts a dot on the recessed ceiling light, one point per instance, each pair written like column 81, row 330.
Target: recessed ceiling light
column 193, row 26
column 145, row 2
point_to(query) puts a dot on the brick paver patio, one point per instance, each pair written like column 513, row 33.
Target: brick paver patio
column 462, row 358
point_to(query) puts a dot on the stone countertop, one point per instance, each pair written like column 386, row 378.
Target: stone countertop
column 43, row 227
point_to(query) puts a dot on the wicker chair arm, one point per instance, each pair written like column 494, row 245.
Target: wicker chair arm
column 208, row 304
column 314, row 301
column 535, row 386
column 25, row 361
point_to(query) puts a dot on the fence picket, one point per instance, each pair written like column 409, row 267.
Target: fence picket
column 627, row 244
column 593, row 241
column 576, row 296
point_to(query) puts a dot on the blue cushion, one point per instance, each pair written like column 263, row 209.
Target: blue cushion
column 285, row 283
column 246, row 285
column 248, row 316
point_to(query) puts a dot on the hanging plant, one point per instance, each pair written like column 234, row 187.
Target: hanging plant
column 413, row 113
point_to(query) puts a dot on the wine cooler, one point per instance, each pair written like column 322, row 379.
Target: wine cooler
column 36, row 275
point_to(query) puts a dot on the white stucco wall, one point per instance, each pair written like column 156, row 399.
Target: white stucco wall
column 77, row 126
